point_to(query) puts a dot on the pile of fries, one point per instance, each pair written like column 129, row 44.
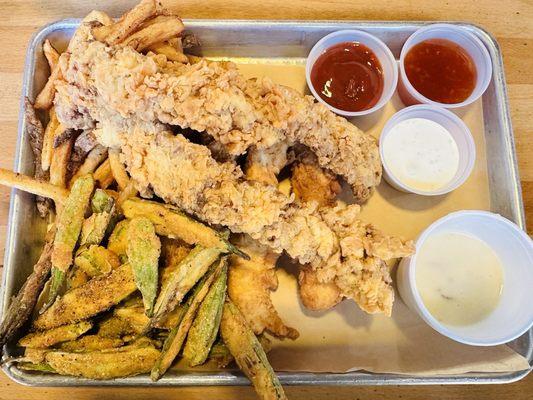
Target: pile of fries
column 123, row 285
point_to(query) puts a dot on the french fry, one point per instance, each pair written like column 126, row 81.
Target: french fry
column 204, row 329
column 104, row 364
column 175, row 339
column 96, row 260
column 59, row 165
column 28, row 184
column 97, row 295
column 171, row 52
column 95, row 157
column 45, row 98
column 144, row 249
column 48, row 140
column 69, row 223
column 191, row 269
column 23, row 304
column 158, row 29
column 170, row 221
column 249, row 354
column 118, row 170
column 129, row 191
column 103, row 175
column 51, row 54
column 44, row 339
column 127, row 24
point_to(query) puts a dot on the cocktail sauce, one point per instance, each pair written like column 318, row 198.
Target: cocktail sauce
column 348, row 76
column 441, row 70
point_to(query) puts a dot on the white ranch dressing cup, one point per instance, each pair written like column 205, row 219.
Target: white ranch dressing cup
column 461, row 36
column 459, row 133
column 380, row 49
column 514, row 313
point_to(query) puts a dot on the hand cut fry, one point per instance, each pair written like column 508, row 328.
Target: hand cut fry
column 59, row 165
column 95, row 157
column 48, row 140
column 28, row 184
column 127, row 24
column 169, row 51
column 41, row 340
column 158, row 29
column 45, row 98
column 118, row 170
column 103, row 175
column 128, row 192
column 51, row 54
column 97, row 295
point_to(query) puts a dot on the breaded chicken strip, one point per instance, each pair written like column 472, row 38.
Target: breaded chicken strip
column 118, row 85
column 249, row 285
column 310, row 182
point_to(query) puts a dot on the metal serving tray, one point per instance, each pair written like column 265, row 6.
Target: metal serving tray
column 285, row 42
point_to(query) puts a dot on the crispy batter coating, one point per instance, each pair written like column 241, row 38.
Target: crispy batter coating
column 249, row 285
column 212, row 97
column 129, row 94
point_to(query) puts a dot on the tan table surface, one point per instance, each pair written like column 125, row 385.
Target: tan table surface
column 510, row 21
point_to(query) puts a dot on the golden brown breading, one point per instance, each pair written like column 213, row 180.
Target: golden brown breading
column 316, row 295
column 212, row 97
column 129, row 95
column 249, row 285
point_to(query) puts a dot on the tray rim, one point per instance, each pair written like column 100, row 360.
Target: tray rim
column 289, row 378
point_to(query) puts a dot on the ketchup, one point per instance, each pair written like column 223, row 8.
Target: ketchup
column 348, row 76
column 441, row 70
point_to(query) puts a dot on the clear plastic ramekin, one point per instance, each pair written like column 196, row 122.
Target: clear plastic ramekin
column 468, row 41
column 380, row 49
column 514, row 314
column 459, row 132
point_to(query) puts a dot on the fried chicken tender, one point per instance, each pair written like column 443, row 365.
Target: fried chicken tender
column 249, row 285
column 316, row 295
column 119, row 85
column 128, row 96
column 310, row 182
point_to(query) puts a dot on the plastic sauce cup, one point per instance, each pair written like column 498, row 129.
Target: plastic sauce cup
column 380, row 49
column 457, row 129
column 468, row 41
column 514, row 314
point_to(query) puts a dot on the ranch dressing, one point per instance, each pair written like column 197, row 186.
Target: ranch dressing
column 459, row 278
column 421, row 154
